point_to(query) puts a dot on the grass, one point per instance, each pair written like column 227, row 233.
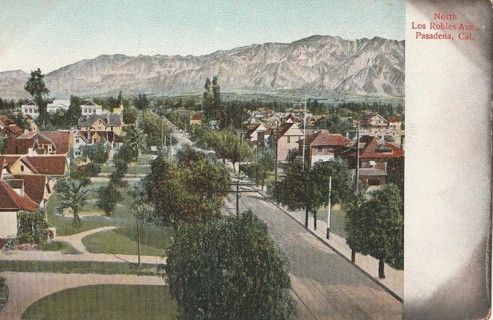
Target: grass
column 132, row 169
column 80, row 267
column 337, row 220
column 62, row 246
column 118, row 243
column 105, row 302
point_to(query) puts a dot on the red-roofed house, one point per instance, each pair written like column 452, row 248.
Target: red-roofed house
column 322, row 146
column 41, row 142
column 374, row 157
column 51, row 166
column 12, row 200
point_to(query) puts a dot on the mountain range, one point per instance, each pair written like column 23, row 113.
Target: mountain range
column 314, row 65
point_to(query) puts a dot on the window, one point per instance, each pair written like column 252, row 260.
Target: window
column 22, row 168
column 374, row 182
column 289, row 139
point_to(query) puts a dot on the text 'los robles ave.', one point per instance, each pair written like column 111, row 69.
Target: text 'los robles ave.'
column 446, row 27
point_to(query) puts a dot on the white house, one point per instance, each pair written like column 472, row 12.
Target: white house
column 58, row 105
column 30, row 109
column 90, row 108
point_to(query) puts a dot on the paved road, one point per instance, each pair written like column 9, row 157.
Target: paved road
column 326, row 285
column 25, row 288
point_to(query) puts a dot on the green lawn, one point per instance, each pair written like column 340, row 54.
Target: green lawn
column 63, row 224
column 105, row 302
column 62, row 246
column 117, row 242
column 337, row 220
column 78, row 267
column 132, row 169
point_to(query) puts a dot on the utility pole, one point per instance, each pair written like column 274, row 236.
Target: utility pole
column 328, row 212
column 357, row 160
column 304, row 135
column 275, row 132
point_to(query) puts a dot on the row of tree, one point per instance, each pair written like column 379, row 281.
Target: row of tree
column 374, row 223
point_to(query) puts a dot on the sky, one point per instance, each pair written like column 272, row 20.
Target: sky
column 50, row 34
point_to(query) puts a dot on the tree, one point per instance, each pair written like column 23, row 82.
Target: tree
column 72, row 196
column 229, row 269
column 187, row 154
column 32, row 227
column 136, row 141
column 207, row 98
column 36, row 87
column 141, row 103
column 354, row 226
column 384, row 227
column 117, row 176
column 108, row 198
column 142, row 210
column 97, row 153
column 74, row 110
column 186, row 193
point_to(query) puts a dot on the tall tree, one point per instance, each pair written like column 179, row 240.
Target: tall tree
column 108, row 198
column 74, row 110
column 229, row 269
column 142, row 211
column 384, row 227
column 207, row 100
column 36, row 87
column 72, row 196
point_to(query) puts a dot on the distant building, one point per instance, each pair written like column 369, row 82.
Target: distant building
column 58, row 105
column 90, row 108
column 196, row 119
column 321, row 146
column 30, row 109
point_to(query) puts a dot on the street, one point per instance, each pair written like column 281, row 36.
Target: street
column 326, row 285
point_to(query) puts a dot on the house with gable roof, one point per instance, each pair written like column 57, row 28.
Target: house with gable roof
column 321, row 146
column 374, row 155
column 107, row 128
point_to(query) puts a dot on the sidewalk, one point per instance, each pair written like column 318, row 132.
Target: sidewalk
column 394, row 281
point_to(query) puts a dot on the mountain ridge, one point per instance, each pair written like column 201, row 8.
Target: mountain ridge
column 318, row 64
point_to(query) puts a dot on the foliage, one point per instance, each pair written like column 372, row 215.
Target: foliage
column 97, row 153
column 32, row 227
column 384, row 225
column 190, row 192
column 108, row 198
column 229, row 269
column 187, row 154
column 136, row 141
column 73, row 197
column 263, row 167
column 141, row 102
column 116, row 178
column 130, row 115
column 36, row 87
column 211, row 99
column 74, row 110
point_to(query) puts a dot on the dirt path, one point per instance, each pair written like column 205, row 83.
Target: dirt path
column 26, row 288
column 76, row 239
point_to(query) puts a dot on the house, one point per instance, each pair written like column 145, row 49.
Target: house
column 90, row 108
column 374, row 155
column 11, row 131
column 109, row 122
column 252, row 134
column 288, row 135
column 5, row 122
column 30, row 109
column 52, row 166
column 373, row 120
column 58, row 105
column 321, row 146
column 13, row 199
column 80, row 141
column 394, row 123
column 196, row 119
column 39, row 143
